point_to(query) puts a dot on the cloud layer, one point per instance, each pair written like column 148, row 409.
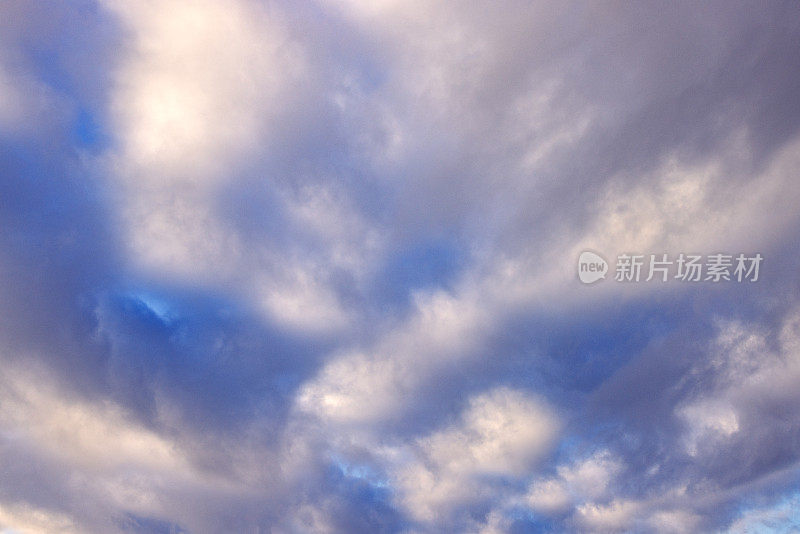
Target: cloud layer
column 287, row 267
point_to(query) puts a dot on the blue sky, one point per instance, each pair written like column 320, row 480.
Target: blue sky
column 311, row 267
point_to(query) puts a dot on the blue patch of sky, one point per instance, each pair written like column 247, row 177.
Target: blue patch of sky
column 781, row 518
column 87, row 130
column 359, row 471
column 155, row 304
column 424, row 265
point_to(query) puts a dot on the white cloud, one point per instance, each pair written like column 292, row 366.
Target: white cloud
column 708, row 423
column 371, row 386
column 101, row 462
column 579, row 482
column 502, row 432
column 674, row 521
column 92, row 436
column 26, row 519
column 195, row 91
column 613, row 517
column 748, row 370
column 200, row 91
column 549, row 496
column 199, row 85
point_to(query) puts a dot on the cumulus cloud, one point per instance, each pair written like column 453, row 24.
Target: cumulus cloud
column 502, row 434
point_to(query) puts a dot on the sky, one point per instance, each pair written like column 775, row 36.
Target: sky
column 276, row 266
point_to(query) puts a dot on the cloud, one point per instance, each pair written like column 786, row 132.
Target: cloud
column 311, row 268
column 202, row 94
column 502, row 433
